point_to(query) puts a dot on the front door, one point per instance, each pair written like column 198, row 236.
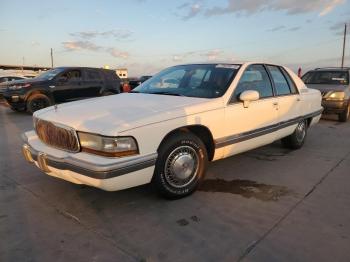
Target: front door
column 69, row 85
column 254, row 126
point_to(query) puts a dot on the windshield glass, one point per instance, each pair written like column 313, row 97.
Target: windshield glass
column 204, row 81
column 48, row 75
column 326, row 77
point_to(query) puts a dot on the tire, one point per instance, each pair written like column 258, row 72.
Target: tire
column 36, row 102
column 344, row 116
column 107, row 93
column 16, row 109
column 297, row 139
column 181, row 165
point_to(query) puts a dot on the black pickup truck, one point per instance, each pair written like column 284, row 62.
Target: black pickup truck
column 60, row 85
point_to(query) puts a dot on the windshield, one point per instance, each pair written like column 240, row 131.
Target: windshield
column 204, row 81
column 48, row 75
column 326, row 77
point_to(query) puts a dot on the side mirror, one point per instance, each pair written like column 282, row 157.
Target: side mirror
column 249, row 96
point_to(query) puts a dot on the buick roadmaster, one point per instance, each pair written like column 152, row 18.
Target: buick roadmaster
column 167, row 129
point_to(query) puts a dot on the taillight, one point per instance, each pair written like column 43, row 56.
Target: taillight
column 126, row 88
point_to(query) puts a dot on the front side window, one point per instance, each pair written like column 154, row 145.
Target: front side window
column 72, row 75
column 281, row 84
column 204, row 81
column 254, row 78
column 326, row 77
column 50, row 74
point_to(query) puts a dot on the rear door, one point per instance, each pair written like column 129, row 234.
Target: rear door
column 288, row 100
column 248, row 128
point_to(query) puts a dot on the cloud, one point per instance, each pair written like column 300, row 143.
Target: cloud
column 118, row 34
column 295, row 28
column 284, row 28
column 192, row 9
column 249, row 7
column 277, row 28
column 80, row 45
column 213, row 54
column 117, row 53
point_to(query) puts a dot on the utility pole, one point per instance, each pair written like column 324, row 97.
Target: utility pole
column 51, row 58
column 343, row 56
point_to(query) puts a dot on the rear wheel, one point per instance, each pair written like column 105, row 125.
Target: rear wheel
column 36, row 102
column 344, row 116
column 181, row 165
column 297, row 139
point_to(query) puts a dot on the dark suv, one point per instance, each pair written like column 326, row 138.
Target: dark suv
column 59, row 85
column 334, row 85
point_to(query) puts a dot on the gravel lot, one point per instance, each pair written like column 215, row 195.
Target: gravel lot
column 270, row 204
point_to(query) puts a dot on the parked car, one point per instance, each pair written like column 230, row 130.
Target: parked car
column 137, row 81
column 166, row 130
column 10, row 78
column 333, row 82
column 5, row 81
column 59, row 85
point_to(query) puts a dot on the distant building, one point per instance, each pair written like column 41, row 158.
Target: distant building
column 122, row 72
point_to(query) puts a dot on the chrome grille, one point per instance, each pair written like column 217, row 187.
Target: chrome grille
column 57, row 135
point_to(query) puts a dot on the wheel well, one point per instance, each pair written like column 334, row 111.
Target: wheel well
column 41, row 92
column 201, row 132
column 308, row 121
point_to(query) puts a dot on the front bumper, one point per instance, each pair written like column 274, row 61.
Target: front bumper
column 109, row 174
column 15, row 99
column 334, row 107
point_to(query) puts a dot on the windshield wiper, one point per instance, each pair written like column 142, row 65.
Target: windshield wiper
column 166, row 93
column 134, row 91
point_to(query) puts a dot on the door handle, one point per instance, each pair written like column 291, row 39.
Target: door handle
column 275, row 103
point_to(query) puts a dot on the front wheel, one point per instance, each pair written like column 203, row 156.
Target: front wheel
column 37, row 102
column 181, row 165
column 297, row 139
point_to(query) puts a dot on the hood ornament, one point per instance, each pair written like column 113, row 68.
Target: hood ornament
column 55, row 106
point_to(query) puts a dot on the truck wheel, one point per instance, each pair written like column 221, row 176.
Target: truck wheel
column 181, row 165
column 107, row 93
column 16, row 109
column 297, row 139
column 36, row 102
column 343, row 117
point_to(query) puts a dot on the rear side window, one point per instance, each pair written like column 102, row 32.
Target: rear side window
column 326, row 77
column 281, row 84
column 255, row 78
column 93, row 75
column 290, row 81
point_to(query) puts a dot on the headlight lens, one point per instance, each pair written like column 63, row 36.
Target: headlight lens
column 108, row 146
column 337, row 95
column 17, row 87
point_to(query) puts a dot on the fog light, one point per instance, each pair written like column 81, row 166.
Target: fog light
column 15, row 98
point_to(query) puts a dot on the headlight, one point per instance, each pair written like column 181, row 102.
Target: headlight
column 337, row 95
column 108, row 146
column 17, row 87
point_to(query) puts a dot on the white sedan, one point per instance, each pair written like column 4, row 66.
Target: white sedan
column 169, row 128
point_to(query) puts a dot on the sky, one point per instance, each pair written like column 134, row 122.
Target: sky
column 146, row 36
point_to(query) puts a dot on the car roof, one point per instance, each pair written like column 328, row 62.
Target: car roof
column 332, row 69
column 81, row 67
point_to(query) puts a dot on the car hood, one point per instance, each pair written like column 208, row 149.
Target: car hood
column 327, row 88
column 114, row 114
